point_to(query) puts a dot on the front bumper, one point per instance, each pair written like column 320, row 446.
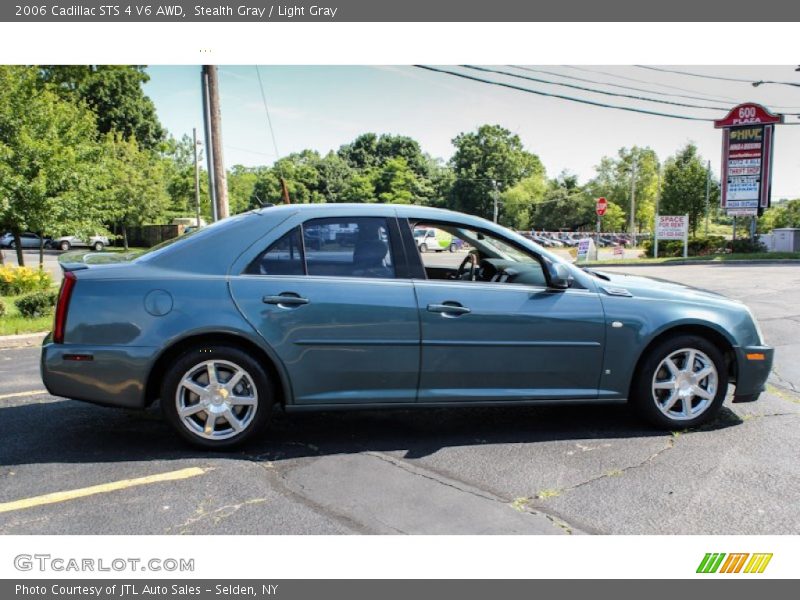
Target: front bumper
column 753, row 366
column 113, row 376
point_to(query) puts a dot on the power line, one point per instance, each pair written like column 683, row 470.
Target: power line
column 266, row 109
column 664, row 85
column 615, row 85
column 562, row 97
column 717, row 77
column 595, row 91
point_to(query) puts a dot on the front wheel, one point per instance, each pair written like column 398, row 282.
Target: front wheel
column 97, row 246
column 216, row 397
column 681, row 383
column 423, row 248
column 64, row 245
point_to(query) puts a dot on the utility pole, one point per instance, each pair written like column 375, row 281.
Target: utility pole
column 708, row 194
column 633, row 199
column 196, row 176
column 212, row 190
column 496, row 198
column 215, row 118
column 655, row 225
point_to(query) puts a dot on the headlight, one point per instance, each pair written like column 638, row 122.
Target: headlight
column 760, row 333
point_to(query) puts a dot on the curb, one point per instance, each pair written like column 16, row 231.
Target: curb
column 684, row 263
column 24, row 340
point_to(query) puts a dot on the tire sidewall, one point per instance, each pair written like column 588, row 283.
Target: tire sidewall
column 64, row 246
column 642, row 389
column 200, row 354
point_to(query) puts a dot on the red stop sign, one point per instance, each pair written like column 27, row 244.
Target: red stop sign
column 602, row 205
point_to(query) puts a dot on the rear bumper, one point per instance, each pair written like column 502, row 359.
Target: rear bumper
column 106, row 375
column 753, row 366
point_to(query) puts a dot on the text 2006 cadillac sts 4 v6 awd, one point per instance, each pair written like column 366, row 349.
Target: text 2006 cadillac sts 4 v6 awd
column 316, row 307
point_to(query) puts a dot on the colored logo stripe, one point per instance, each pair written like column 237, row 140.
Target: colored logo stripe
column 710, row 563
column 733, row 564
column 758, row 563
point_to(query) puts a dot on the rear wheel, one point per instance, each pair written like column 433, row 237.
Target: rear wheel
column 64, row 245
column 423, row 248
column 216, row 397
column 452, row 248
column 681, row 383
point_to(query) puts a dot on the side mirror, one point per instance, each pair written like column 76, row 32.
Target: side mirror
column 559, row 276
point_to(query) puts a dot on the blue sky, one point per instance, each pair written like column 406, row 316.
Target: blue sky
column 323, row 107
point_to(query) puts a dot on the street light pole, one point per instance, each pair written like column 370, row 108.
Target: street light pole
column 196, row 177
column 633, row 198
column 495, row 196
column 708, row 192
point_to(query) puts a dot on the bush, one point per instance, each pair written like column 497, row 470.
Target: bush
column 700, row 246
column 22, row 280
column 2, row 308
column 38, row 304
column 745, row 246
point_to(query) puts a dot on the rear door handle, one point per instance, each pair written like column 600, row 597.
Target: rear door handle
column 285, row 299
column 449, row 309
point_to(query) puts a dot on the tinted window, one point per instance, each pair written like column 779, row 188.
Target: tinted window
column 284, row 257
column 357, row 247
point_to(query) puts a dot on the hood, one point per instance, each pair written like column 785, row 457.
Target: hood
column 654, row 288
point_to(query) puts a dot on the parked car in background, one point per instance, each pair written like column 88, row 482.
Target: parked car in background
column 66, row 242
column 226, row 323
column 27, row 240
column 433, row 239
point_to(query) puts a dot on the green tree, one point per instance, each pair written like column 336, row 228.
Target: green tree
column 48, row 159
column 115, row 94
column 613, row 182
column 136, row 191
column 684, row 188
column 489, row 160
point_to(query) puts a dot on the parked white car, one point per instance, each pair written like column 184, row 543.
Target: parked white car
column 96, row 242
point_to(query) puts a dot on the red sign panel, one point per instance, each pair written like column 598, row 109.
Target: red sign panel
column 601, row 207
column 748, row 114
column 747, row 159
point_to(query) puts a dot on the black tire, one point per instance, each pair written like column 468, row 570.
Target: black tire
column 452, row 248
column 13, row 245
column 192, row 359
column 65, row 245
column 97, row 246
column 423, row 248
column 644, row 396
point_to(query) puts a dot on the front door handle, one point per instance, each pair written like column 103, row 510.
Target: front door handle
column 285, row 299
column 449, row 309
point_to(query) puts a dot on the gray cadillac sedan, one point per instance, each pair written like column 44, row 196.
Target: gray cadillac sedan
column 314, row 307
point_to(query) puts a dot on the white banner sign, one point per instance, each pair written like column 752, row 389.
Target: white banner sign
column 672, row 227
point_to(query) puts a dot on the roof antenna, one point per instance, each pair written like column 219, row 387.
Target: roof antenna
column 261, row 203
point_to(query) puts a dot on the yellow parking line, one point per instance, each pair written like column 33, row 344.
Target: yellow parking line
column 99, row 489
column 21, row 394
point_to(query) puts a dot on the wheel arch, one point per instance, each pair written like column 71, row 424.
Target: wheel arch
column 703, row 330
column 280, row 383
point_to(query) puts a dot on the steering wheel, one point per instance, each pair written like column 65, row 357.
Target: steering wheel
column 471, row 260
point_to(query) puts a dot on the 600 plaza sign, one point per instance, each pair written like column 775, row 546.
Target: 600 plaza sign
column 747, row 141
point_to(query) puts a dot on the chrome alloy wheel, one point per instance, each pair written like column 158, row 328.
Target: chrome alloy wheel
column 685, row 384
column 216, row 399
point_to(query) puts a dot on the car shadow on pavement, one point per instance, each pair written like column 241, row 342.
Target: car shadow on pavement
column 74, row 432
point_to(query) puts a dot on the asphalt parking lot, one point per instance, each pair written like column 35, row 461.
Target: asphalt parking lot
column 69, row 467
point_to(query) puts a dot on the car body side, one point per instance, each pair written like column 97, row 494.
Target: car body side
column 133, row 318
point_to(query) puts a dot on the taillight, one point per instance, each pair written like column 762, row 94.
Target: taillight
column 67, row 285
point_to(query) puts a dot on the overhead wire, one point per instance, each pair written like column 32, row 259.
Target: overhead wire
column 616, row 85
column 716, row 77
column 561, row 96
column 596, row 91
